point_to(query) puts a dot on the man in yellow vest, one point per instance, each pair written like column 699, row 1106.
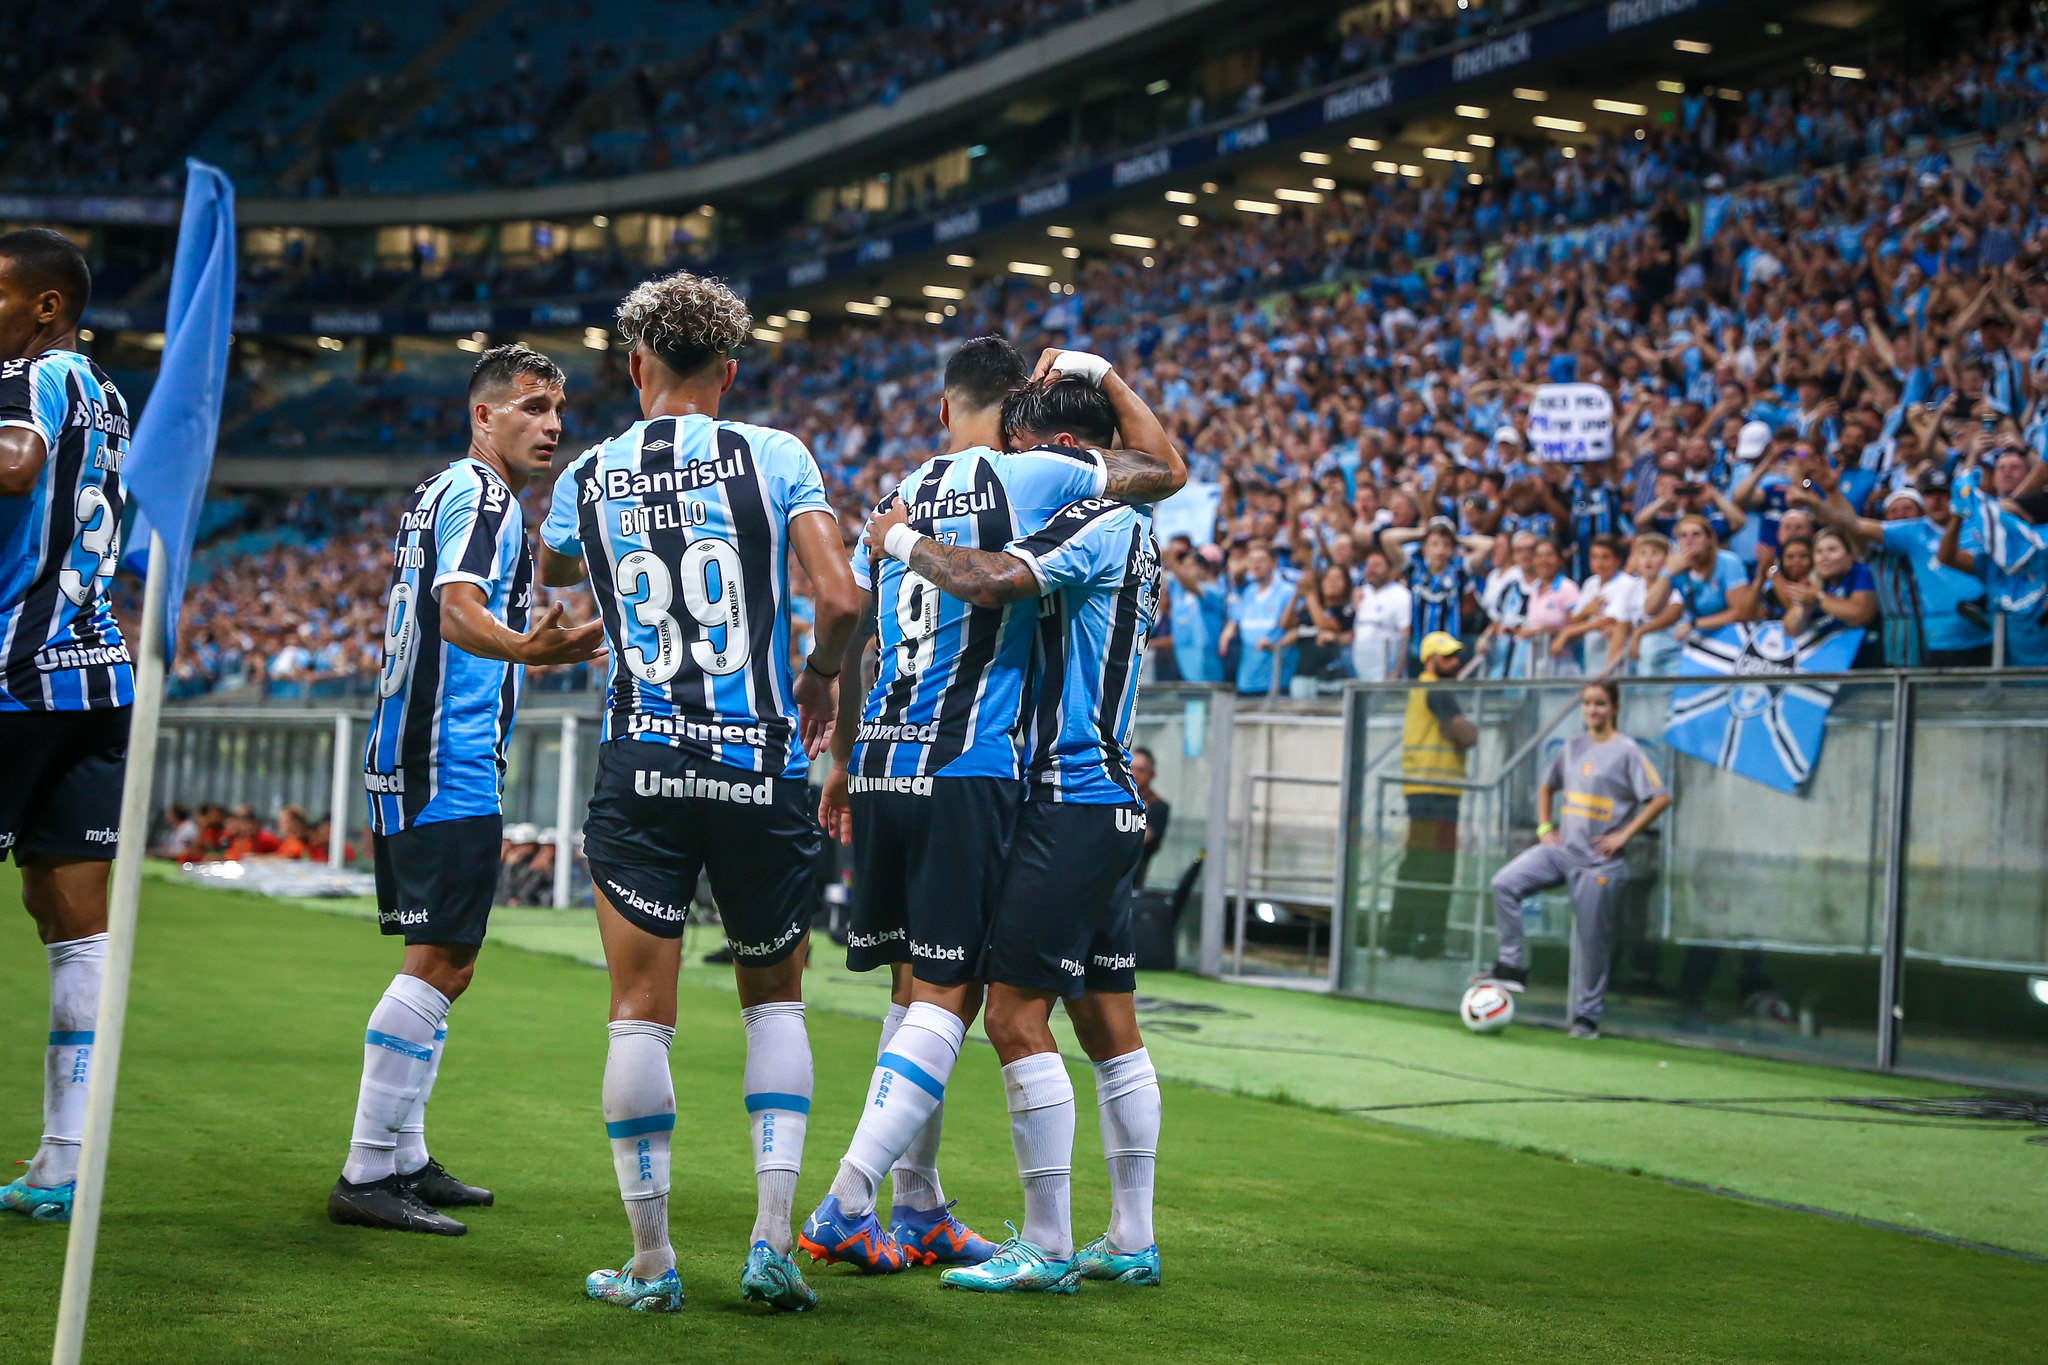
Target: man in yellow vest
column 1435, row 734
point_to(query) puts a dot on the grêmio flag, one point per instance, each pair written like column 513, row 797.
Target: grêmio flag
column 1750, row 713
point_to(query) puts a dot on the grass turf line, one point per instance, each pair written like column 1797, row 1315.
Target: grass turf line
column 1287, row 1232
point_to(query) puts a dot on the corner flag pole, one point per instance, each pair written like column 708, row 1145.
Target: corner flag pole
column 122, row 899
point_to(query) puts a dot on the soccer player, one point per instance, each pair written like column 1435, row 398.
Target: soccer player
column 932, row 781
column 456, row 636
column 684, row 524
column 1062, row 928
column 66, row 685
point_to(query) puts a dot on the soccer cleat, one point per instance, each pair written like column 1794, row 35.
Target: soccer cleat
column 1098, row 1261
column 1583, row 1027
column 43, row 1203
column 433, row 1186
column 1018, row 1267
column 1507, row 978
column 831, row 1235
column 772, row 1278
column 662, row 1294
column 936, row 1237
column 386, row 1204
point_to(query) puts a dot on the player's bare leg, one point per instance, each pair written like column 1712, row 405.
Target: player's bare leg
column 1127, row 1097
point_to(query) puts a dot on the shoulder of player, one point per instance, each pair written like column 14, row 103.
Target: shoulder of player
column 1046, row 454
column 762, row 439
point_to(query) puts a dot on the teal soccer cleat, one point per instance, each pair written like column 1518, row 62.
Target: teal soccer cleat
column 1097, row 1261
column 662, row 1294
column 1018, row 1267
column 772, row 1278
column 44, row 1203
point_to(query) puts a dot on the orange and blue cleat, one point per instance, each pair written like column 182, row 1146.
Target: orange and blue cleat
column 832, row 1236
column 936, row 1237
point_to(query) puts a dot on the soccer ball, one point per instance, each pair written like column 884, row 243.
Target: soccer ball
column 1487, row 1008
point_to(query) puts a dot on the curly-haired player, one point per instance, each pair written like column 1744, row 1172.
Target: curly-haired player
column 683, row 524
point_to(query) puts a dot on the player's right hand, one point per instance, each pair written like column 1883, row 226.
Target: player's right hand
column 550, row 643
column 1071, row 365
column 834, row 814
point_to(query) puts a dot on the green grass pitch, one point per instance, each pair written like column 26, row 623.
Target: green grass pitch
column 1288, row 1233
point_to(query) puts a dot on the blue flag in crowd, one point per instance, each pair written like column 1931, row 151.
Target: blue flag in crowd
column 171, row 455
column 1749, row 720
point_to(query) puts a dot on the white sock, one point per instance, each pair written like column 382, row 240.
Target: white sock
column 908, row 1084
column 1041, row 1097
column 76, row 967
column 1127, row 1094
column 640, row 1118
column 915, row 1176
column 778, row 1094
column 398, row 1052
column 411, row 1154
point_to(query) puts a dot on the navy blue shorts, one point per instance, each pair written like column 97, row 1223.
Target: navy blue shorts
column 660, row 818
column 435, row 882
column 62, row 794
column 1064, row 921
column 928, row 855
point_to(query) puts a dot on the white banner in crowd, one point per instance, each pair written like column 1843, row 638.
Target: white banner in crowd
column 1190, row 512
column 1571, row 423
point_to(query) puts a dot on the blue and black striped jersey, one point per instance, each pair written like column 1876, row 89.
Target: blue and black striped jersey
column 684, row 523
column 947, row 698
column 1097, row 564
column 437, row 740
column 60, row 647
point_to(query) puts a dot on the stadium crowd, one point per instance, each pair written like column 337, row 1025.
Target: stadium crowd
column 1816, row 368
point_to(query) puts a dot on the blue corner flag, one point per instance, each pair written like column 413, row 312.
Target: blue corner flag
column 171, row 455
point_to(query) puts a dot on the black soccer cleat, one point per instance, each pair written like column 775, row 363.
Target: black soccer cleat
column 433, row 1186
column 386, row 1204
column 1504, row 976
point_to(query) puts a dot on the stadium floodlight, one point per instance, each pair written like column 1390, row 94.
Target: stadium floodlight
column 935, row 318
column 2037, row 986
column 862, row 307
column 1570, row 152
column 1479, row 139
column 964, row 262
column 1159, row 87
column 1032, row 268
column 1256, row 206
column 1413, row 172
column 1323, row 182
column 1145, row 261
column 767, row 334
column 943, row 291
column 470, row 344
column 1672, row 87
column 598, row 341
column 1693, row 46
column 1133, row 239
column 1072, row 253
column 1266, row 913
column 777, row 320
column 599, row 220
column 1475, row 178
column 1847, row 73
column 1621, row 107
column 1055, row 230
column 1560, row 125
column 1316, row 158
column 1180, row 196
column 1523, row 92
column 1295, row 196
column 1364, row 144
column 1188, row 220
column 799, row 315
column 949, row 310
column 1439, row 153
column 1386, row 168
column 1472, row 111
column 1211, row 187
column 1725, row 93
column 880, row 300
column 337, row 344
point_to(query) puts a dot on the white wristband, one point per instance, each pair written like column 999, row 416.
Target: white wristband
column 900, row 541
column 1081, row 365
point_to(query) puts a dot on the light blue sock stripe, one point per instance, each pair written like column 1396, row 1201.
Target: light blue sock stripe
column 71, row 1038
column 417, row 1051
column 912, row 1071
column 653, row 1123
column 769, row 1099
column 439, row 1034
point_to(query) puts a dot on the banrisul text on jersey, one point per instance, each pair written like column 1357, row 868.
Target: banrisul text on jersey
column 437, row 740
column 684, row 524
column 946, row 700
column 60, row 649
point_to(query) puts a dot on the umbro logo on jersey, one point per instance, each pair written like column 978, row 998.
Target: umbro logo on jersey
column 657, row 445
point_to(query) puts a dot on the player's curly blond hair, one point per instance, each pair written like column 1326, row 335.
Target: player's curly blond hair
column 687, row 320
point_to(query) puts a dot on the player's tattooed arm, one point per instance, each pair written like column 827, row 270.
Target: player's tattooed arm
column 1137, row 477
column 1145, row 466
column 982, row 578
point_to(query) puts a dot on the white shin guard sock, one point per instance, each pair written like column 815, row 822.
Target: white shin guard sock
column 908, row 1084
column 76, row 967
column 1127, row 1095
column 398, row 1052
column 640, row 1118
column 915, row 1176
column 411, row 1153
column 778, row 1096
column 1041, row 1097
